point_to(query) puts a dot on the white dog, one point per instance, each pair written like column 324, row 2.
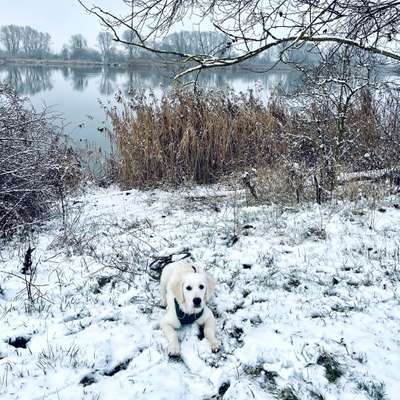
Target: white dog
column 185, row 290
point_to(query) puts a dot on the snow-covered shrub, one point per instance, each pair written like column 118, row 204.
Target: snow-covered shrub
column 345, row 119
column 35, row 166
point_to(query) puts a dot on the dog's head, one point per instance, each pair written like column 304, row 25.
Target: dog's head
column 194, row 290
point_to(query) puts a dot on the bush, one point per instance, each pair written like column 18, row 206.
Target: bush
column 369, row 138
column 35, row 166
column 203, row 135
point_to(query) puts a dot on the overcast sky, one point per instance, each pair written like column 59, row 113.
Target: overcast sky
column 60, row 18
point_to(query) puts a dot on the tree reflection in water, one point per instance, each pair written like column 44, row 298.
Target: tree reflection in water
column 75, row 89
column 27, row 80
column 30, row 80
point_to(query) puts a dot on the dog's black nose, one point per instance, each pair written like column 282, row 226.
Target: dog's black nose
column 197, row 301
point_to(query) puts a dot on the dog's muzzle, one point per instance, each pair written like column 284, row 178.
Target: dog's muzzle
column 197, row 301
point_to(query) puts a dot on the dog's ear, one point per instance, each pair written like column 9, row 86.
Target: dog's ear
column 210, row 285
column 176, row 289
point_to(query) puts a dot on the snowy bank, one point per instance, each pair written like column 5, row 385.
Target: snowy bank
column 307, row 303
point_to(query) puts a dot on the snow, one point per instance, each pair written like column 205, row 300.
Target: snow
column 300, row 286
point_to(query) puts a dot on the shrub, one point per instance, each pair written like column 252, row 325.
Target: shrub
column 35, row 166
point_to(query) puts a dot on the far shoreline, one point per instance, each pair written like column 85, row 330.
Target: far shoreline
column 69, row 63
column 138, row 63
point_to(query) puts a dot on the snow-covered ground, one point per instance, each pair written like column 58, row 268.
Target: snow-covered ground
column 307, row 303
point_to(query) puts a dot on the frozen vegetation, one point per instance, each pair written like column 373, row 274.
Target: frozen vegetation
column 307, row 302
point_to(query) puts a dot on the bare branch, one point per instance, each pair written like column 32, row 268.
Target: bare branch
column 252, row 27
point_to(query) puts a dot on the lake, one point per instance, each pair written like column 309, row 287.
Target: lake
column 74, row 91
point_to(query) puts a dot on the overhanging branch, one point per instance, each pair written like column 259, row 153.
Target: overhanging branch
column 252, row 27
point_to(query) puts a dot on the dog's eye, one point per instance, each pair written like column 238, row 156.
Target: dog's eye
column 188, row 288
column 201, row 287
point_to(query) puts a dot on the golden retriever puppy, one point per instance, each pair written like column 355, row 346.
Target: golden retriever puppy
column 185, row 289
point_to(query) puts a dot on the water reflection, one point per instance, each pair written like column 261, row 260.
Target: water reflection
column 108, row 81
column 74, row 90
column 79, row 78
column 30, row 80
column 65, row 71
column 27, row 80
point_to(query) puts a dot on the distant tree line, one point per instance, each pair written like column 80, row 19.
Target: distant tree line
column 26, row 42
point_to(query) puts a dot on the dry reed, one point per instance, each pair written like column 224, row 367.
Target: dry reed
column 191, row 137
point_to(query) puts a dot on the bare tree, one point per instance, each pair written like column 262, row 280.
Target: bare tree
column 35, row 44
column 254, row 26
column 10, row 36
column 105, row 44
column 78, row 41
column 130, row 36
column 26, row 41
column 78, row 45
column 196, row 42
column 79, row 50
column 65, row 53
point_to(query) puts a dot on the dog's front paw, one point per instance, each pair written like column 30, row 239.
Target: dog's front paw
column 174, row 350
column 215, row 346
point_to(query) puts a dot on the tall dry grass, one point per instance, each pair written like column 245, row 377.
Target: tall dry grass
column 189, row 136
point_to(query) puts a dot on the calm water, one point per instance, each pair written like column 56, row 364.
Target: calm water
column 74, row 91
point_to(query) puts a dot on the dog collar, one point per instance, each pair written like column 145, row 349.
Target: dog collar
column 186, row 319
